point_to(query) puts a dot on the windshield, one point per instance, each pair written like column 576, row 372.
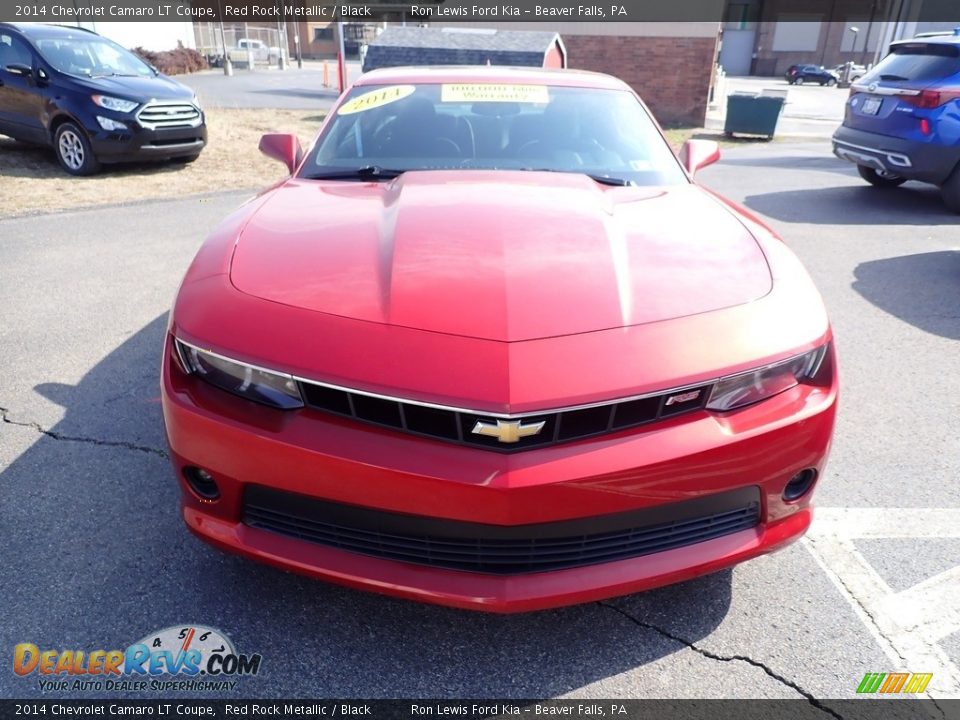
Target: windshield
column 917, row 62
column 395, row 128
column 91, row 56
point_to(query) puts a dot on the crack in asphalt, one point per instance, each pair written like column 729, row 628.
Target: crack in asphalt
column 726, row 658
column 5, row 417
column 943, row 712
column 873, row 621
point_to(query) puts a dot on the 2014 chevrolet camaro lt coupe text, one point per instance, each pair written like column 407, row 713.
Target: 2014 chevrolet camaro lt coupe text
column 490, row 346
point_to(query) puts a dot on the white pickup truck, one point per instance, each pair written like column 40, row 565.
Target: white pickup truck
column 261, row 52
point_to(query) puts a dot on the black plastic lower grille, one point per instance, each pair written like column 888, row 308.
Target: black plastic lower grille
column 496, row 549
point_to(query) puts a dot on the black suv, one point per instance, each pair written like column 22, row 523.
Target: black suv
column 92, row 100
column 799, row 74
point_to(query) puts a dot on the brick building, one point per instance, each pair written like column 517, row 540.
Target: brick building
column 669, row 64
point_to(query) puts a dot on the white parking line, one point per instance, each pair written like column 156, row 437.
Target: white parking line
column 865, row 523
column 908, row 624
column 931, row 608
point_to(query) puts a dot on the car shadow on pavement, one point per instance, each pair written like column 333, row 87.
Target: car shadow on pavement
column 910, row 204
column 919, row 289
column 324, row 94
column 96, row 557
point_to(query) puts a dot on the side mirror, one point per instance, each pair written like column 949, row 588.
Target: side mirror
column 20, row 69
column 283, row 147
column 697, row 154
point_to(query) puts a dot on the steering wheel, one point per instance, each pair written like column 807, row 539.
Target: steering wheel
column 447, row 145
column 465, row 128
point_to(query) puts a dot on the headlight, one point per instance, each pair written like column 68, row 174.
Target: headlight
column 263, row 386
column 112, row 103
column 737, row 391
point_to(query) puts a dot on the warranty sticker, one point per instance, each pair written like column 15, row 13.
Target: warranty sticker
column 495, row 93
column 375, row 99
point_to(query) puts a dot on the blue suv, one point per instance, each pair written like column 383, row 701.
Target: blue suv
column 902, row 120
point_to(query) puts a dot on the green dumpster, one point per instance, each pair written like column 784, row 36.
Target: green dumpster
column 752, row 114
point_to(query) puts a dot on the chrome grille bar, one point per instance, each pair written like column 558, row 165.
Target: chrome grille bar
column 160, row 115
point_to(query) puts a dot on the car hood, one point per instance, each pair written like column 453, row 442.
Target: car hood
column 139, row 88
column 506, row 256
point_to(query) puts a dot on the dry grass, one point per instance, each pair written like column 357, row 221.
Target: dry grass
column 31, row 181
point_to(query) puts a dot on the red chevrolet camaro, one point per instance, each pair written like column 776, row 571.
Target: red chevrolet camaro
column 490, row 346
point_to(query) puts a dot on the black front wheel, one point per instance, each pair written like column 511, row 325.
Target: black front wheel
column 880, row 179
column 73, row 150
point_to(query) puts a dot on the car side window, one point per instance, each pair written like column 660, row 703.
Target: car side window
column 13, row 51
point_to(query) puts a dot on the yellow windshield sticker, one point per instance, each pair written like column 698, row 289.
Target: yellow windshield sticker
column 375, row 99
column 495, row 93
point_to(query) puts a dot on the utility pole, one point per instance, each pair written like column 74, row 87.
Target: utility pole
column 227, row 65
column 341, row 58
column 282, row 43
column 296, row 41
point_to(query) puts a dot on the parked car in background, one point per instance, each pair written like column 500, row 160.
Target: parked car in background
column 261, row 52
column 856, row 71
column 800, row 74
column 902, row 120
column 92, row 100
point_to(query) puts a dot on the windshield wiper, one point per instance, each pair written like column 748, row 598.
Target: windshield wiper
column 367, row 172
column 608, row 180
column 602, row 179
column 893, row 77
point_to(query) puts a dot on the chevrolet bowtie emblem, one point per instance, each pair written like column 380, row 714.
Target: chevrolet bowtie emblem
column 508, row 431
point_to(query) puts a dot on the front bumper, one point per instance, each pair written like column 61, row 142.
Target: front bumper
column 307, row 453
column 140, row 143
column 926, row 162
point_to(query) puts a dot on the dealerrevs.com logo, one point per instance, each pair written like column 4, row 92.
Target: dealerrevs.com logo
column 181, row 657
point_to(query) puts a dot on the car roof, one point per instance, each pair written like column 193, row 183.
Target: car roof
column 43, row 30
column 941, row 38
column 490, row 74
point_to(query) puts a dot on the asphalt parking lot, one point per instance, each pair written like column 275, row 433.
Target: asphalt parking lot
column 808, row 111
column 95, row 555
column 295, row 88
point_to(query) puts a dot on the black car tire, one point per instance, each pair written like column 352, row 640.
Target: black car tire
column 798, row 81
column 878, row 180
column 950, row 191
column 73, row 150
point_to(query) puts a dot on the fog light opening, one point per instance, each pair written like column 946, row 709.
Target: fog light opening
column 799, row 485
column 202, row 483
